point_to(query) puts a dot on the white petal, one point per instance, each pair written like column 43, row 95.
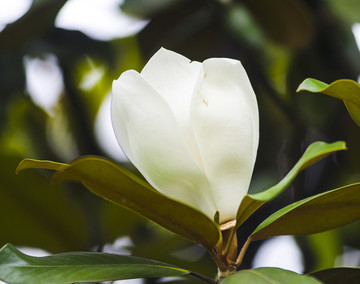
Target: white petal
column 174, row 77
column 149, row 135
column 225, row 122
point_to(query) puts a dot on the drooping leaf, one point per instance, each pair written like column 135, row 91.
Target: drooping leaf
column 346, row 90
column 121, row 187
column 75, row 267
column 338, row 275
column 269, row 275
column 314, row 214
column 313, row 153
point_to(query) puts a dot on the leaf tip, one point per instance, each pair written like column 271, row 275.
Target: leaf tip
column 9, row 249
column 340, row 146
column 312, row 85
column 301, row 86
column 21, row 166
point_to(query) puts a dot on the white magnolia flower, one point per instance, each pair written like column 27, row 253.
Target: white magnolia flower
column 191, row 129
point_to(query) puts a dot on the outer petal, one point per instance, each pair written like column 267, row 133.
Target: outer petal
column 226, row 125
column 174, row 77
column 149, row 135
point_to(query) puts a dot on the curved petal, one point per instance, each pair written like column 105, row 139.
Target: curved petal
column 174, row 77
column 149, row 135
column 225, row 121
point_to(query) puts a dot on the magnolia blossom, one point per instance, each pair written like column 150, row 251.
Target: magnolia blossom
column 190, row 128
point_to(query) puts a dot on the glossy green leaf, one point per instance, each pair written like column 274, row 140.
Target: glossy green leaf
column 75, row 267
column 121, row 187
column 338, row 275
column 314, row 214
column 346, row 90
column 268, row 275
column 313, row 153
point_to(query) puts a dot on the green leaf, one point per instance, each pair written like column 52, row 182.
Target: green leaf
column 16, row 267
column 314, row 214
column 268, row 275
column 313, row 153
column 31, row 164
column 346, row 90
column 122, row 187
column 247, row 207
column 338, row 275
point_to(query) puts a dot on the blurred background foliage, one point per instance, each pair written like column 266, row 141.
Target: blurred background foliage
column 280, row 43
